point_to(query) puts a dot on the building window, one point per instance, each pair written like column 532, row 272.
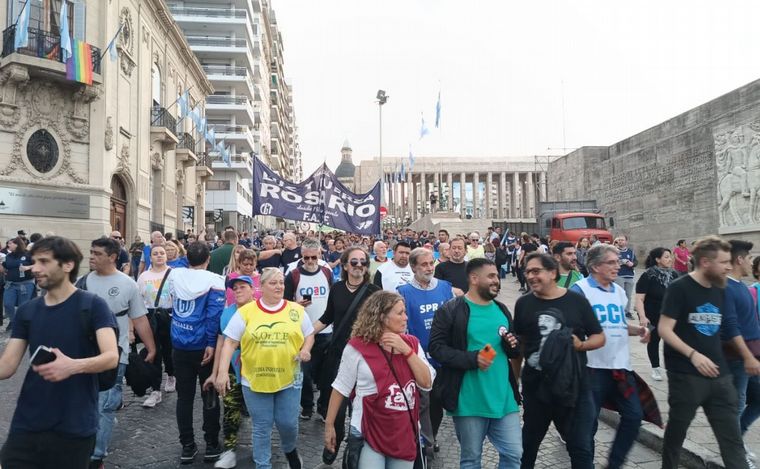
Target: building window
column 42, row 151
column 217, row 185
column 155, row 74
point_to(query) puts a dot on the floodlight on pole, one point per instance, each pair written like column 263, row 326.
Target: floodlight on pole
column 382, row 98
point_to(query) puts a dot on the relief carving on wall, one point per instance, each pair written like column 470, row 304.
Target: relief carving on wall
column 123, row 164
column 737, row 157
column 180, row 174
column 157, row 161
column 108, row 137
column 13, row 81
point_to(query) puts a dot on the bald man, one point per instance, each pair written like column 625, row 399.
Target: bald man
column 156, row 239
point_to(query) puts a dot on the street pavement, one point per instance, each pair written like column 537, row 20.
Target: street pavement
column 148, row 438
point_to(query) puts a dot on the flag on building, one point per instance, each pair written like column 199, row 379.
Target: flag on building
column 183, row 103
column 65, row 34
column 79, row 65
column 423, row 128
column 21, row 38
column 113, row 53
column 438, row 111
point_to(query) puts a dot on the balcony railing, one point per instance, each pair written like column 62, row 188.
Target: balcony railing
column 204, row 159
column 211, row 41
column 208, row 12
column 230, row 129
column 224, row 99
column 227, row 70
column 187, row 142
column 159, row 117
column 42, row 44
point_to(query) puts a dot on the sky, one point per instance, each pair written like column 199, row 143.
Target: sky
column 515, row 78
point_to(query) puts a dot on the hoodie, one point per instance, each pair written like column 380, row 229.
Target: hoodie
column 197, row 304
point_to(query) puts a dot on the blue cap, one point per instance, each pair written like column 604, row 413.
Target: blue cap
column 242, row 278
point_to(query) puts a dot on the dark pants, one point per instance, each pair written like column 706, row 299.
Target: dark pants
column 431, row 416
column 188, row 371
column 653, row 347
column 311, row 372
column 520, row 276
column 161, row 323
column 606, row 389
column 717, row 397
column 46, row 450
column 579, row 420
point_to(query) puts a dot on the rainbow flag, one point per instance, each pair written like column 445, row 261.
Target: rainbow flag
column 79, row 65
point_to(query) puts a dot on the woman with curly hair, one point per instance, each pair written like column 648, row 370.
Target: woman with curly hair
column 382, row 365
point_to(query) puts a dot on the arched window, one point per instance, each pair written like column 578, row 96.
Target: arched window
column 155, row 75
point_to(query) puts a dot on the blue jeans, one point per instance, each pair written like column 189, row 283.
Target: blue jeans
column 606, row 389
column 108, row 403
column 748, row 391
column 504, row 434
column 16, row 294
column 279, row 408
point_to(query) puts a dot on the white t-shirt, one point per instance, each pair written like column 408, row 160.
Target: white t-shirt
column 394, row 276
column 354, row 372
column 609, row 308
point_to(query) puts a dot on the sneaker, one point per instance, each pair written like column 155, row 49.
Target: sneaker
column 305, row 415
column 213, row 451
column 171, row 384
column 322, row 415
column 188, row 454
column 328, row 457
column 656, row 375
column 227, row 460
column 749, row 452
column 96, row 464
column 153, row 399
column 750, row 463
column 294, row 460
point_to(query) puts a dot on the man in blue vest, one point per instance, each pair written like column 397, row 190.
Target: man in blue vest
column 423, row 296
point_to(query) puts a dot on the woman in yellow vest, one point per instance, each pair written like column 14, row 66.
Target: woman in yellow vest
column 275, row 336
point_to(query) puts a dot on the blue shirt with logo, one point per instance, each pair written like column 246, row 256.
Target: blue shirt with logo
column 421, row 306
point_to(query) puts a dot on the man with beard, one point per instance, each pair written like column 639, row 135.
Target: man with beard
column 454, row 269
column 423, row 297
column 691, row 320
column 391, row 275
column 380, row 257
column 471, row 338
column 575, row 421
column 343, row 303
column 564, row 254
column 56, row 418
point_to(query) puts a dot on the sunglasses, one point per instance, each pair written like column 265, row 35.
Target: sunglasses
column 116, row 237
column 310, row 258
column 355, row 262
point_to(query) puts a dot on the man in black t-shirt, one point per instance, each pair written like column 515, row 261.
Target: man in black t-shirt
column 56, row 417
column 542, row 271
column 454, row 269
column 698, row 375
column 291, row 252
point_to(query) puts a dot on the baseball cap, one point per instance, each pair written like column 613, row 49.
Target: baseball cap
column 242, row 278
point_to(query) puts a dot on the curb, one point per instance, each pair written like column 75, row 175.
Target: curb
column 693, row 456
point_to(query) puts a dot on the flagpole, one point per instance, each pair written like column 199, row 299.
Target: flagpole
column 20, row 12
column 112, row 41
column 176, row 100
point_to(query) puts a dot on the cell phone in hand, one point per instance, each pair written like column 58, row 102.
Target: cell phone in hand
column 306, row 297
column 43, row 355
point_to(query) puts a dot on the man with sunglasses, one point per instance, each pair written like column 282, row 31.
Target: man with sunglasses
column 391, row 275
column 309, row 286
column 122, row 261
column 475, row 250
column 343, row 303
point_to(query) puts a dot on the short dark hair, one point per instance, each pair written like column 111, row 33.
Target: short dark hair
column 401, row 244
column 739, row 248
column 680, row 242
column 756, row 267
column 547, row 262
column 35, row 237
column 443, row 231
column 63, row 250
column 230, row 237
column 560, row 247
column 197, row 253
column 109, row 245
column 477, row 264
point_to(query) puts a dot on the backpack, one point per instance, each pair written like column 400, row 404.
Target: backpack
column 107, row 378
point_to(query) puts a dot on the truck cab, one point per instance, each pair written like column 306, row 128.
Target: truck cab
column 572, row 226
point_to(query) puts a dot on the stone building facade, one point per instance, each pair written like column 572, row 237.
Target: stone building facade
column 695, row 174
column 80, row 160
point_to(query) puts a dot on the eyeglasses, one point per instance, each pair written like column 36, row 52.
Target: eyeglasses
column 356, row 262
column 310, row 258
column 611, row 262
column 534, row 271
column 117, row 237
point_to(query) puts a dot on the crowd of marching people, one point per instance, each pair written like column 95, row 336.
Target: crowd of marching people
column 371, row 333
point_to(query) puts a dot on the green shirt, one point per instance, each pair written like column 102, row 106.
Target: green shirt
column 486, row 393
column 220, row 258
column 575, row 276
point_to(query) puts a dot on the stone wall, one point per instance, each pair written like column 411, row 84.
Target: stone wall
column 695, row 174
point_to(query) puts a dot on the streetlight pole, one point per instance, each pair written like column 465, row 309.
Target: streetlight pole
column 382, row 98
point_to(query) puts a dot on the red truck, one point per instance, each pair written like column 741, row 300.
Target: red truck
column 572, row 220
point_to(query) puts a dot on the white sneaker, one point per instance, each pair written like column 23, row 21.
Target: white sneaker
column 750, row 464
column 749, row 452
column 171, row 384
column 227, row 460
column 656, row 375
column 153, row 399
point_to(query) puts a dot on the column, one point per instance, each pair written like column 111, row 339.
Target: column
column 531, row 190
column 514, row 205
column 410, row 195
column 450, row 190
column 462, row 194
column 402, row 199
column 423, row 193
column 489, row 182
column 502, row 194
column 475, row 194
column 544, row 189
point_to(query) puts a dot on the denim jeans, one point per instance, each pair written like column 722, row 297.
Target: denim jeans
column 504, row 434
column 371, row 458
column 748, row 392
column 277, row 408
column 606, row 389
column 15, row 295
column 108, row 403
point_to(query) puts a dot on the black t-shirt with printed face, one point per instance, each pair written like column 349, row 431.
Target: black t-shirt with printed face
column 577, row 313
column 698, row 314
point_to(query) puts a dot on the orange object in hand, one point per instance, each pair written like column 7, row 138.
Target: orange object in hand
column 488, row 353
